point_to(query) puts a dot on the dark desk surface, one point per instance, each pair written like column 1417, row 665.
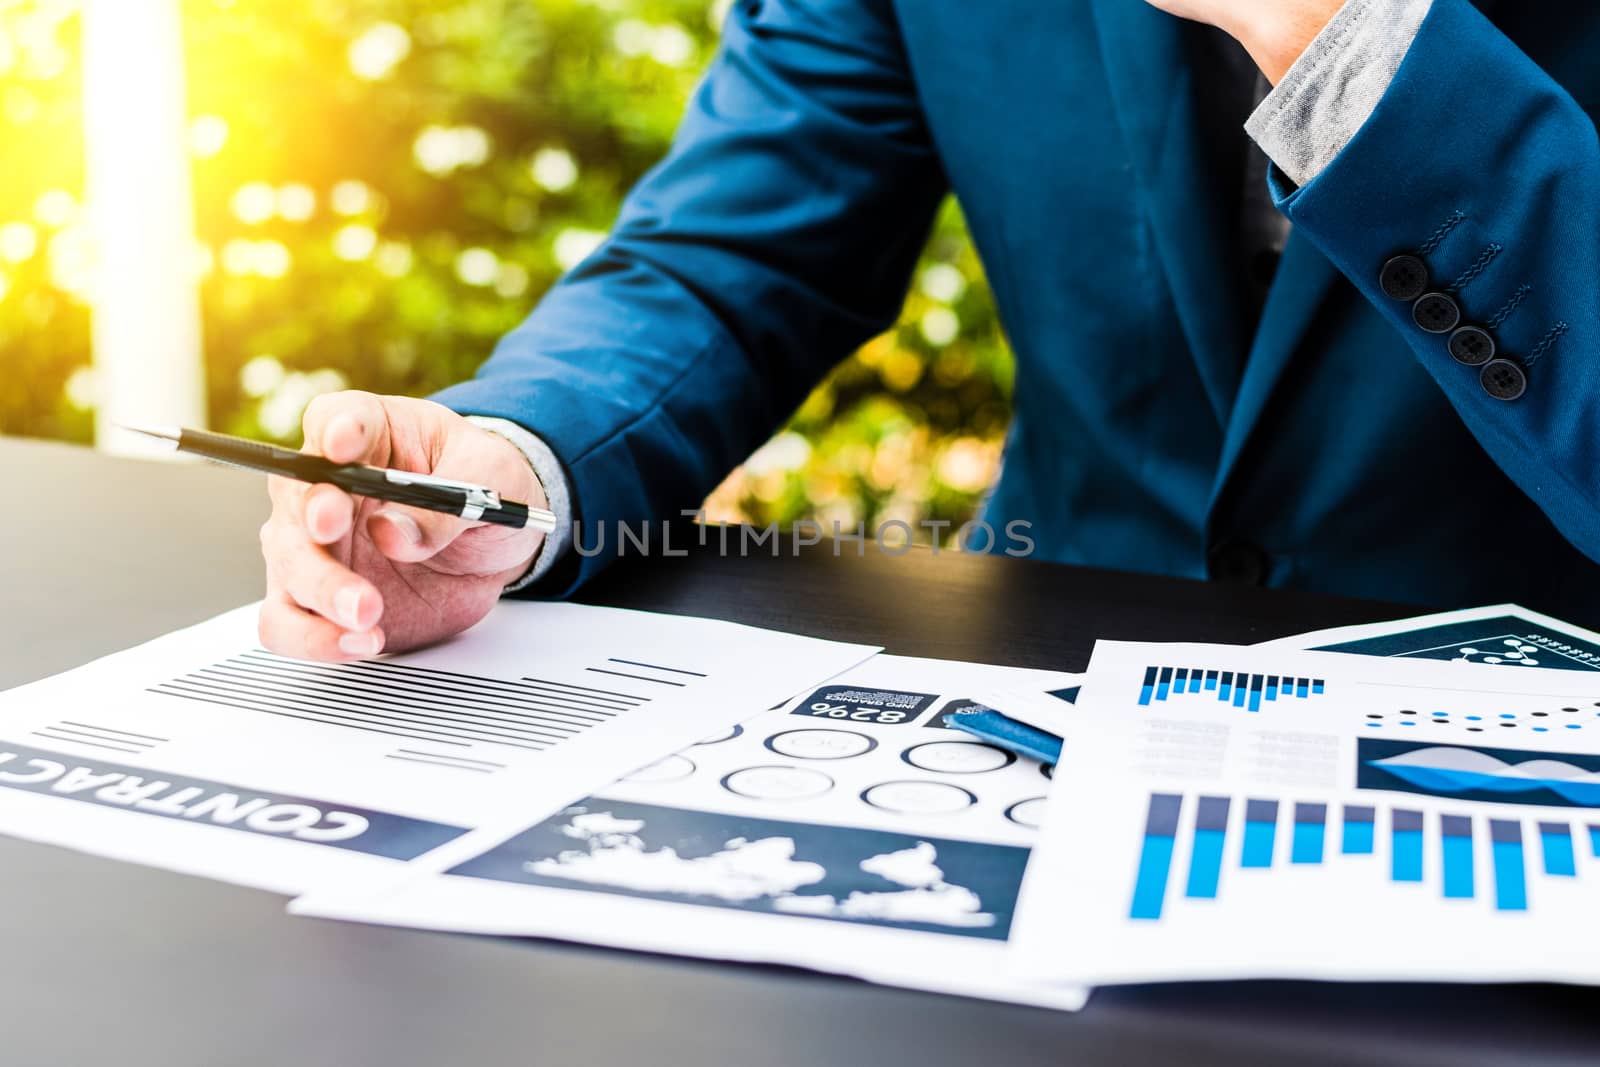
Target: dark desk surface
column 107, row 961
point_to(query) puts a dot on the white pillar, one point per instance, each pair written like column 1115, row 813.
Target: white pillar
column 144, row 297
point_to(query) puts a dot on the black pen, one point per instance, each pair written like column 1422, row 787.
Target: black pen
column 475, row 503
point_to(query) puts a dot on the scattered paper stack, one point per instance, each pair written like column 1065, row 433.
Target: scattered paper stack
column 1380, row 802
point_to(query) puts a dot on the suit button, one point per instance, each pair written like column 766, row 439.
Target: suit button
column 1436, row 313
column 1404, row 278
column 1237, row 563
column 1503, row 379
column 1472, row 345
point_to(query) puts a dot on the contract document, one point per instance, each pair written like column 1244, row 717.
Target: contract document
column 203, row 753
column 1226, row 812
column 851, row 830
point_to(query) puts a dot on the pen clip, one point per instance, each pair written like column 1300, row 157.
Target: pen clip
column 478, row 498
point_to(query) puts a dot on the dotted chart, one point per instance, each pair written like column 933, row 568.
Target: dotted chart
column 1565, row 717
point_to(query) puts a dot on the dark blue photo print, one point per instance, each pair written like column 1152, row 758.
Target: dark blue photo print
column 839, row 873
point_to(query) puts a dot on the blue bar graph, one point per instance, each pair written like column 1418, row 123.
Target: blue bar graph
column 1242, row 690
column 1510, row 880
column 1405, row 861
column 1559, row 860
column 1205, row 859
column 1358, row 822
column 1155, row 859
column 1470, row 852
column 1455, row 837
column 1310, row 821
column 1594, row 840
column 1260, row 833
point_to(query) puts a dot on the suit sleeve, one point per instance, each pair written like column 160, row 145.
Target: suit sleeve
column 777, row 235
column 1467, row 210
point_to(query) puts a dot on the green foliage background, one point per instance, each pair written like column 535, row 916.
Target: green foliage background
column 384, row 187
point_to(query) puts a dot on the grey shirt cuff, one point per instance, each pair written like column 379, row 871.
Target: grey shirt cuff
column 556, row 490
column 1335, row 85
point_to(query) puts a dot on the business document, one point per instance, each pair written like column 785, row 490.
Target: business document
column 201, row 752
column 1501, row 635
column 1227, row 812
column 851, row 830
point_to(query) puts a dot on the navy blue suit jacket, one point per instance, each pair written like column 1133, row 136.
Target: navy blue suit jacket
column 1152, row 421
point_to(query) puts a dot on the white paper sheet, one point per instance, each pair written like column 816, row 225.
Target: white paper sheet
column 849, row 831
column 1371, row 819
column 201, row 753
column 1498, row 635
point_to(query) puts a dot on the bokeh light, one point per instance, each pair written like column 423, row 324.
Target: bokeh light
column 383, row 188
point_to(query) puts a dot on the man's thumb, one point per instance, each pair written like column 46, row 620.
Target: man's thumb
column 410, row 535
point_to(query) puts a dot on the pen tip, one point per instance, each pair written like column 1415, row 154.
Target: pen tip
column 165, row 433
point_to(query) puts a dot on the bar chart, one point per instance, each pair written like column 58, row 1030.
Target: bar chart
column 1276, row 835
column 1240, row 688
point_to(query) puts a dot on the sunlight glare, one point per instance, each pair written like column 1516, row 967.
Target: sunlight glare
column 146, row 315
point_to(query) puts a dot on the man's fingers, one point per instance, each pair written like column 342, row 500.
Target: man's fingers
column 327, row 512
column 285, row 494
column 289, row 630
column 410, row 535
column 350, row 438
column 316, row 581
column 348, row 427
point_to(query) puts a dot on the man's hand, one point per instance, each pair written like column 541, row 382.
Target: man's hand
column 1274, row 32
column 348, row 577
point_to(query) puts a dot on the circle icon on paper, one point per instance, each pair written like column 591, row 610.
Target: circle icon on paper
column 821, row 744
column 737, row 731
column 778, row 783
column 919, row 798
column 671, row 769
column 957, row 757
column 1029, row 813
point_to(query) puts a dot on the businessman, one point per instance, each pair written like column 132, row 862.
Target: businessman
column 1301, row 292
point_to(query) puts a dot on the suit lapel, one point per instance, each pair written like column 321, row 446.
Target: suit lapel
column 1151, row 82
column 1304, row 280
column 1150, row 79
column 1298, row 291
